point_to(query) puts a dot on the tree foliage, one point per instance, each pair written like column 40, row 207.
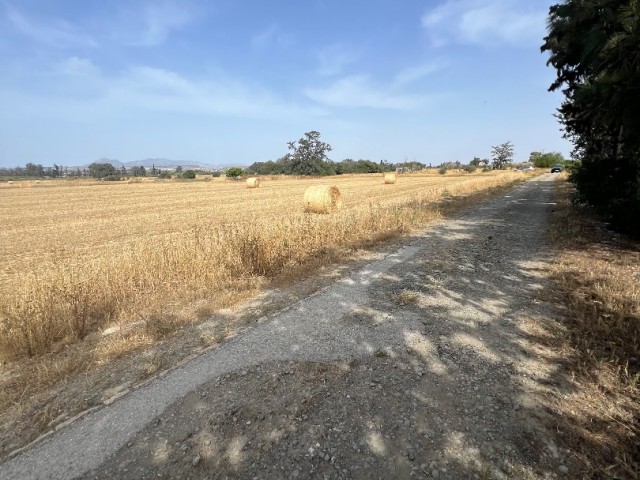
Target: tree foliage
column 269, row 168
column 30, row 170
column 361, row 166
column 593, row 45
column 546, row 160
column 502, row 155
column 283, row 166
column 412, row 166
column 446, row 166
column 138, row 171
column 233, row 172
column 308, row 155
column 102, row 170
column 33, row 170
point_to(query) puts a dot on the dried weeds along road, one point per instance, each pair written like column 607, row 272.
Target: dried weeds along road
column 421, row 365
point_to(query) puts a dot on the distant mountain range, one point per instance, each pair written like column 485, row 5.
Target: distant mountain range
column 158, row 163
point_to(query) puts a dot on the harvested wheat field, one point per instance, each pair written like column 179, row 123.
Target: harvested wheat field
column 76, row 258
column 97, row 277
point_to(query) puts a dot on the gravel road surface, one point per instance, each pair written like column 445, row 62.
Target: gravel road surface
column 418, row 366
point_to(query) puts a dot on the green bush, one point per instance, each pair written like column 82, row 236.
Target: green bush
column 546, row 160
column 189, row 174
column 234, row 172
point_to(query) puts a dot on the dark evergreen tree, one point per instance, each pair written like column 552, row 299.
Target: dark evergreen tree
column 593, row 45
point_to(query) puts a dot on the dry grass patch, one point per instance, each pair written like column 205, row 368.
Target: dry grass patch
column 597, row 273
column 407, row 297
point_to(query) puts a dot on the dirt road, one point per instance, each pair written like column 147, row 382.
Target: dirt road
column 421, row 365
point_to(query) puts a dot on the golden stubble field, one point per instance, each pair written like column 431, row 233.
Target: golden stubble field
column 77, row 257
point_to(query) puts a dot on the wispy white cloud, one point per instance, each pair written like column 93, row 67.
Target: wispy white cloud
column 76, row 67
column 358, row 91
column 138, row 24
column 332, row 59
column 164, row 90
column 414, row 74
column 273, row 34
column 485, row 22
column 85, row 89
column 53, row 32
column 152, row 23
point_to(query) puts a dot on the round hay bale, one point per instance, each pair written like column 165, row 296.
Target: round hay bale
column 253, row 182
column 322, row 199
column 10, row 182
column 390, row 178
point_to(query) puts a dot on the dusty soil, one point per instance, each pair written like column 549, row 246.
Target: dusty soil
column 428, row 364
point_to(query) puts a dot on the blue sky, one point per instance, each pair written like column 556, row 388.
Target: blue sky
column 231, row 81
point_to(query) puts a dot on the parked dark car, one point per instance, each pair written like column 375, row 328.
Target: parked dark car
column 557, row 169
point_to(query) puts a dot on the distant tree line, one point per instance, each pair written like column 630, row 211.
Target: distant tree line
column 284, row 166
column 100, row 170
column 307, row 156
column 32, row 170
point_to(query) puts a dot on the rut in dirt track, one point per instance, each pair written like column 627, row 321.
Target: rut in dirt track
column 412, row 367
